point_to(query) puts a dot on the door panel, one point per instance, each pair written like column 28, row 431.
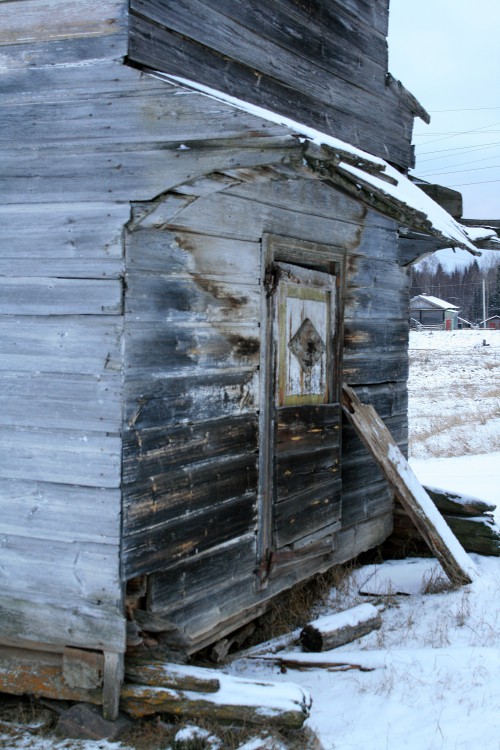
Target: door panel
column 306, row 466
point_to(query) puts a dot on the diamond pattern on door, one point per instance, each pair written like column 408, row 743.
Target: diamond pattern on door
column 307, row 345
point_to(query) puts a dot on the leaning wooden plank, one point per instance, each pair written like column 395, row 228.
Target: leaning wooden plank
column 173, row 676
column 431, row 525
column 237, row 700
column 331, row 631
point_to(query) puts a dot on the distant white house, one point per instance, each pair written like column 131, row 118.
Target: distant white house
column 432, row 312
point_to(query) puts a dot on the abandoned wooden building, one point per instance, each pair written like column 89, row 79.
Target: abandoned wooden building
column 431, row 312
column 206, row 223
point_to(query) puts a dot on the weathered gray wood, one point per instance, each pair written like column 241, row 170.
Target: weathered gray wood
column 81, row 18
column 61, row 570
column 60, row 296
column 82, row 402
column 144, row 671
column 61, row 344
column 332, row 631
column 113, row 677
column 378, row 440
column 40, row 510
column 69, row 457
column 456, row 504
column 74, row 622
column 69, row 232
column 138, row 174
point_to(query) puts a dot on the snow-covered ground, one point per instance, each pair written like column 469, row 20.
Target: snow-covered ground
column 434, row 679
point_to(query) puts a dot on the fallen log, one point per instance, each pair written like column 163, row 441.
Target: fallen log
column 378, row 440
column 455, row 504
column 175, row 676
column 238, row 700
column 332, row 631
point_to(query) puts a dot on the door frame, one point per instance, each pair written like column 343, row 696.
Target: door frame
column 317, row 256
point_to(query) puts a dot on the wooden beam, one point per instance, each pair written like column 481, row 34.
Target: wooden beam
column 431, row 525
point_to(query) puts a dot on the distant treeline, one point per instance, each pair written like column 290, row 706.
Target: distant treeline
column 462, row 287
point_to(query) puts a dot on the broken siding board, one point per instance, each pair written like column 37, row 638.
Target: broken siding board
column 81, row 18
column 155, row 297
column 70, row 623
column 161, row 448
column 64, row 232
column 153, row 549
column 44, row 296
column 77, row 345
column 39, row 510
column 65, row 457
column 67, row 401
column 194, row 578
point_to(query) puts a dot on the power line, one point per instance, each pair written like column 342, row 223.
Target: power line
column 458, row 148
column 462, row 163
column 459, row 171
column 484, row 182
column 465, row 132
column 455, row 132
column 469, row 109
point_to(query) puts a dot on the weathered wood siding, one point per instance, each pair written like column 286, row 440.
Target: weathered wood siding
column 192, row 388
column 61, row 328
column 323, row 64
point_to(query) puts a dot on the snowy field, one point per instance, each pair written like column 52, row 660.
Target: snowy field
column 432, row 679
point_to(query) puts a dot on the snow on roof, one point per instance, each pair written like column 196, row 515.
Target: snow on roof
column 389, row 182
column 435, row 301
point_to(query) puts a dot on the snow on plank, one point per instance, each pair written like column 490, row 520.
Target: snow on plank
column 433, row 528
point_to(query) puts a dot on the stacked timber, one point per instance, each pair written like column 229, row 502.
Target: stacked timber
column 194, row 692
column 470, row 519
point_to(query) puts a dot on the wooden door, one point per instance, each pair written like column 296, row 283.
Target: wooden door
column 306, row 454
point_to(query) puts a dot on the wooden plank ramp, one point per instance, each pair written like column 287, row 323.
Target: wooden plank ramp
column 433, row 528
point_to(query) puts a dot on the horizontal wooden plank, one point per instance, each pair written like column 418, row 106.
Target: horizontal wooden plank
column 159, row 449
column 171, row 300
column 62, row 268
column 296, row 472
column 81, row 18
column 44, row 296
column 123, row 114
column 155, row 549
column 74, row 622
column 193, row 491
column 299, row 429
column 77, row 570
column 379, row 367
column 306, row 513
column 249, row 218
column 203, row 574
column 47, row 511
column 161, row 49
column 389, row 399
column 64, row 344
column 198, row 255
column 367, row 501
column 172, row 400
column 124, row 174
column 371, row 336
column 174, row 349
column 65, row 231
column 18, row 57
column 65, row 457
column 82, row 402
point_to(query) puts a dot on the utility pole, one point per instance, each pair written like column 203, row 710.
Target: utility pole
column 484, row 303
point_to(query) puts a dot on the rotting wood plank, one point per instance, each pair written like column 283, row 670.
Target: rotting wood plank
column 377, row 438
column 146, row 671
column 332, row 631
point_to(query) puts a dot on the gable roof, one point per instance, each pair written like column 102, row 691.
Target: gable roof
column 430, row 301
column 368, row 178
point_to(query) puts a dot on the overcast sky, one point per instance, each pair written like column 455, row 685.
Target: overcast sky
column 447, row 53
